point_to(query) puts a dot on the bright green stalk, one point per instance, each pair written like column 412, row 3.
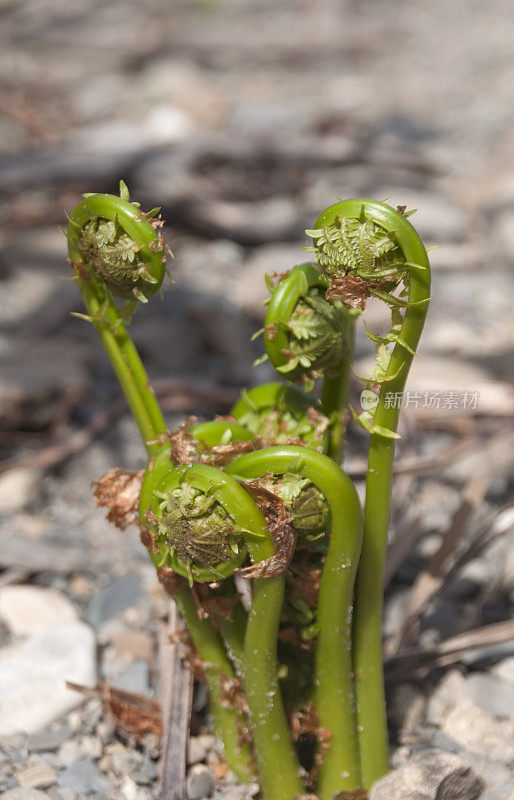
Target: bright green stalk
column 128, row 368
column 367, row 626
column 336, row 394
column 233, row 632
column 217, row 668
column 122, row 368
column 334, row 685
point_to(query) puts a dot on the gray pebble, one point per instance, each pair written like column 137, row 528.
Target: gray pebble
column 110, row 601
column 83, row 777
column 200, row 782
column 443, row 742
column 147, row 772
column 66, row 652
column 505, row 669
column 505, row 792
column 491, row 693
column 47, row 740
column 135, row 678
column 479, row 732
column 197, row 749
column 431, row 775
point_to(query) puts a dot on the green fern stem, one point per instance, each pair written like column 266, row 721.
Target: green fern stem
column 335, row 395
column 334, row 694
column 218, row 668
column 367, row 626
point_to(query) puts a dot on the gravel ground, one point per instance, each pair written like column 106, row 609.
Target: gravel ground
column 244, row 120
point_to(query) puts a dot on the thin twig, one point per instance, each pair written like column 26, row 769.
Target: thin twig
column 410, row 661
column 178, row 712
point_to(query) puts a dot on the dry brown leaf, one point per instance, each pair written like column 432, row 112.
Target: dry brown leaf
column 170, row 580
column 306, row 723
column 284, row 536
column 119, row 492
column 184, row 448
column 135, row 713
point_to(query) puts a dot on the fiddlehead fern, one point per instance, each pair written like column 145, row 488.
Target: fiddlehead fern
column 334, row 686
column 304, row 334
column 307, row 336
column 279, row 413
column 113, row 243
column 236, row 524
column 405, row 261
column 99, row 276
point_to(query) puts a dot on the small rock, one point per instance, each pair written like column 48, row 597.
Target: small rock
column 147, row 773
column 493, row 773
column 66, row 652
column 69, row 753
column 431, row 775
column 133, row 679
column 27, row 610
column 83, row 777
column 105, row 730
column 119, row 595
column 200, row 782
column 480, row 732
column 505, row 792
column 505, row 669
column 47, row 740
column 135, row 645
column 91, row 746
column 129, row 788
column 491, row 693
column 450, row 690
column 65, row 793
column 22, row 793
column 14, row 745
column 37, row 775
column 18, row 488
column 196, row 750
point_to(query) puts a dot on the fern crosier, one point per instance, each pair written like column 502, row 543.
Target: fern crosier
column 316, row 340
column 362, row 260
column 196, row 527
column 117, row 260
column 113, row 257
column 305, row 503
column 357, row 247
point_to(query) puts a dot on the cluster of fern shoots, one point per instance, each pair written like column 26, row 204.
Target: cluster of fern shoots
column 253, row 526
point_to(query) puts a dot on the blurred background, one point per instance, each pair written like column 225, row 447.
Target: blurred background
column 244, row 119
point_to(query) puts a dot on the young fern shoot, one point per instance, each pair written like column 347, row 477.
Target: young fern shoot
column 368, row 249
column 260, row 493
